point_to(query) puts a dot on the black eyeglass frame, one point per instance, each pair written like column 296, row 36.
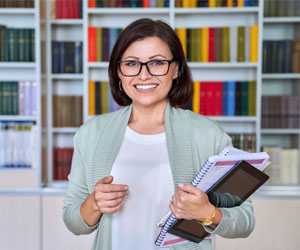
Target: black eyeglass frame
column 145, row 63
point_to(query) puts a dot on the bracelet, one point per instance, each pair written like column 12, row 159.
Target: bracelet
column 209, row 220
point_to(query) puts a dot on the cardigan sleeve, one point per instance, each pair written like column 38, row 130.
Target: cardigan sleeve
column 77, row 192
column 239, row 221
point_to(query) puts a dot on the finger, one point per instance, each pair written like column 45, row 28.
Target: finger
column 106, row 180
column 110, row 204
column 111, row 210
column 111, row 195
column 189, row 188
column 107, row 188
column 175, row 210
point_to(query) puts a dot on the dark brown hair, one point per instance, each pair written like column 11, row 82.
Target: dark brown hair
column 182, row 87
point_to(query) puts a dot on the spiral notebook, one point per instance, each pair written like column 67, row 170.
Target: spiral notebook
column 213, row 171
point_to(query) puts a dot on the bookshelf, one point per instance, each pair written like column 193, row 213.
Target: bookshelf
column 17, row 172
column 279, row 27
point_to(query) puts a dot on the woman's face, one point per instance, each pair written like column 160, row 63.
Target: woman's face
column 144, row 88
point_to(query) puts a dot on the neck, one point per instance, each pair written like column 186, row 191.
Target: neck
column 148, row 119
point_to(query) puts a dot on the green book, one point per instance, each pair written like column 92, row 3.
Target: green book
column 132, row 3
column 193, row 34
column 241, row 44
column 99, row 3
column 198, row 45
column 244, row 98
column 104, row 97
column 32, row 45
column 225, row 44
column 98, row 44
column 6, row 98
column 27, row 45
column 14, row 98
column 218, row 3
column 21, row 45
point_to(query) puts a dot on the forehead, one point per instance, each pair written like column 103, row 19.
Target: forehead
column 148, row 47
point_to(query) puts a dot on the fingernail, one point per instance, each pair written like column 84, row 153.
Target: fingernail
column 180, row 185
column 126, row 188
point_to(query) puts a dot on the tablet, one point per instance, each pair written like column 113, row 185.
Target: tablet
column 230, row 191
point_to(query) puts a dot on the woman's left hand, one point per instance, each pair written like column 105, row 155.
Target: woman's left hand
column 191, row 203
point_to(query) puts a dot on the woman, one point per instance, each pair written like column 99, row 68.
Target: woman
column 128, row 164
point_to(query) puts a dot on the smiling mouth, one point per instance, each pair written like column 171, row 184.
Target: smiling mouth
column 152, row 86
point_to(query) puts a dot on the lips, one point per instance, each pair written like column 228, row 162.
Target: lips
column 145, row 86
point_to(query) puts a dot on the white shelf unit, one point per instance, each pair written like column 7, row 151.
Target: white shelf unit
column 281, row 28
column 60, row 84
column 24, row 71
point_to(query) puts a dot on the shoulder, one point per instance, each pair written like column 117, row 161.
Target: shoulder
column 98, row 124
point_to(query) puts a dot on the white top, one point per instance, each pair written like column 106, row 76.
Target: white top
column 143, row 164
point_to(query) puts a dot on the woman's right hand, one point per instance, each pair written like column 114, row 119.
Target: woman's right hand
column 109, row 198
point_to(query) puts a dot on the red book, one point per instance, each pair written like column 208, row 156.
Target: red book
column 210, row 100
column 145, row 3
column 211, row 44
column 58, row 9
column 203, row 87
column 92, row 31
column 218, row 92
column 60, row 164
column 54, row 164
column 75, row 8
column 120, row 3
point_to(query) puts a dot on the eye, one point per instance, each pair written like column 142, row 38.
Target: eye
column 157, row 62
column 131, row 63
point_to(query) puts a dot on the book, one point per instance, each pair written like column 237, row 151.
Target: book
column 213, row 172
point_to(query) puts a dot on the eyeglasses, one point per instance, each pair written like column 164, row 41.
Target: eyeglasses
column 154, row 67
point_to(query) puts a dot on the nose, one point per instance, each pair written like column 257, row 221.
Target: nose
column 144, row 74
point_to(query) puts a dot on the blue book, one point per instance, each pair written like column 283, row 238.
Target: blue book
column 231, row 98
column 113, row 36
column 167, row 3
column 247, row 3
column 78, row 57
column 62, row 57
column 224, row 98
column 55, row 57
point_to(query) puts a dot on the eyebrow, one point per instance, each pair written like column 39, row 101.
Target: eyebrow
column 136, row 58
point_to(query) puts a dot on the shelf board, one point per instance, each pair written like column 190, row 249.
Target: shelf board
column 17, row 169
column 234, row 118
column 17, row 64
column 222, row 65
column 279, row 131
column 66, row 21
column 65, row 130
column 194, row 65
column 98, row 64
column 281, row 76
column 18, row 11
column 120, row 11
column 221, row 10
column 67, row 76
column 17, row 118
column 282, row 19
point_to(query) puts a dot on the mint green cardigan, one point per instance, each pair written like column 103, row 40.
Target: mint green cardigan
column 191, row 139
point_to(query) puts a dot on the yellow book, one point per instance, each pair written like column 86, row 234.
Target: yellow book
column 186, row 3
column 211, row 3
column 240, row 3
column 196, row 97
column 252, row 98
column 253, row 43
column 92, row 110
column 181, row 33
column 229, row 3
column 204, row 45
column 99, row 44
column 193, row 3
column 104, row 97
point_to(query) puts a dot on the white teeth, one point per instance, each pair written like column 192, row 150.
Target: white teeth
column 146, row 86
